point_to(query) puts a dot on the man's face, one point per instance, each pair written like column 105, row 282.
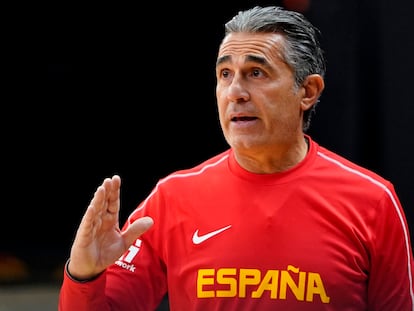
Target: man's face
column 258, row 103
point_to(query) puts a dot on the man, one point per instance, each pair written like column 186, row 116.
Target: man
column 276, row 222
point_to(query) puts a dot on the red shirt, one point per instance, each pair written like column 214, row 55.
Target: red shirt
column 324, row 235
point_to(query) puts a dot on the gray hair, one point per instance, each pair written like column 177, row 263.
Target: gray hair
column 302, row 51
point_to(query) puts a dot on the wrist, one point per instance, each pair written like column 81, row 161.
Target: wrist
column 78, row 280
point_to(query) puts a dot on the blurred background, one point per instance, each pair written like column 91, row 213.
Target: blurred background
column 122, row 89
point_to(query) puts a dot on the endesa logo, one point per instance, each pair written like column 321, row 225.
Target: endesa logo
column 125, row 260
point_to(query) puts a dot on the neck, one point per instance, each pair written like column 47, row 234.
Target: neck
column 272, row 160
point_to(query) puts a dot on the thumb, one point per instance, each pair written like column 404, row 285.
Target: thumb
column 136, row 229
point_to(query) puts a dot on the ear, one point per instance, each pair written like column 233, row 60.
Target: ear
column 313, row 87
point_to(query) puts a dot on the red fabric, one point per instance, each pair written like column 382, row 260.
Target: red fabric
column 325, row 235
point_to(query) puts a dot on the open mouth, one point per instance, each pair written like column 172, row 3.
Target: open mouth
column 236, row 119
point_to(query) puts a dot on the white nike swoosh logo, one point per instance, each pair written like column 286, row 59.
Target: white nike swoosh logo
column 197, row 239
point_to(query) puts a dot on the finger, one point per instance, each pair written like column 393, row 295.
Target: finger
column 112, row 191
column 97, row 202
column 91, row 217
column 136, row 229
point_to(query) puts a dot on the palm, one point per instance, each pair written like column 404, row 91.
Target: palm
column 99, row 242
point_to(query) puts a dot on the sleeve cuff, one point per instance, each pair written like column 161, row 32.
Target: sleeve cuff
column 76, row 279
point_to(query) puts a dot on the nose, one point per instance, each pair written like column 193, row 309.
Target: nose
column 236, row 91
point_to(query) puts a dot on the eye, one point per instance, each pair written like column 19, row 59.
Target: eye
column 225, row 73
column 256, row 72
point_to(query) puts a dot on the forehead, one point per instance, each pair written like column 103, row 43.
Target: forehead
column 267, row 45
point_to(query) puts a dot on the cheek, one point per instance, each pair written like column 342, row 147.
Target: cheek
column 220, row 101
column 221, row 109
column 281, row 111
column 219, row 92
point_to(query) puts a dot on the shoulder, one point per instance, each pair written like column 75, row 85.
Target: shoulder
column 203, row 169
column 340, row 167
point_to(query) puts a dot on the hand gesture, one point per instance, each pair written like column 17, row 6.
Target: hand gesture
column 99, row 241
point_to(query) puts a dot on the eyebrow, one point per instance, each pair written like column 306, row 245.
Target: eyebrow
column 222, row 60
column 249, row 58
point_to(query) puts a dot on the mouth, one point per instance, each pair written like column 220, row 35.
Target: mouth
column 243, row 118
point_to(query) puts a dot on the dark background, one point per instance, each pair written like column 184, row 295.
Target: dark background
column 129, row 89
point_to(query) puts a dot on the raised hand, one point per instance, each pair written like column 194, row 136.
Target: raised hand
column 99, row 241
